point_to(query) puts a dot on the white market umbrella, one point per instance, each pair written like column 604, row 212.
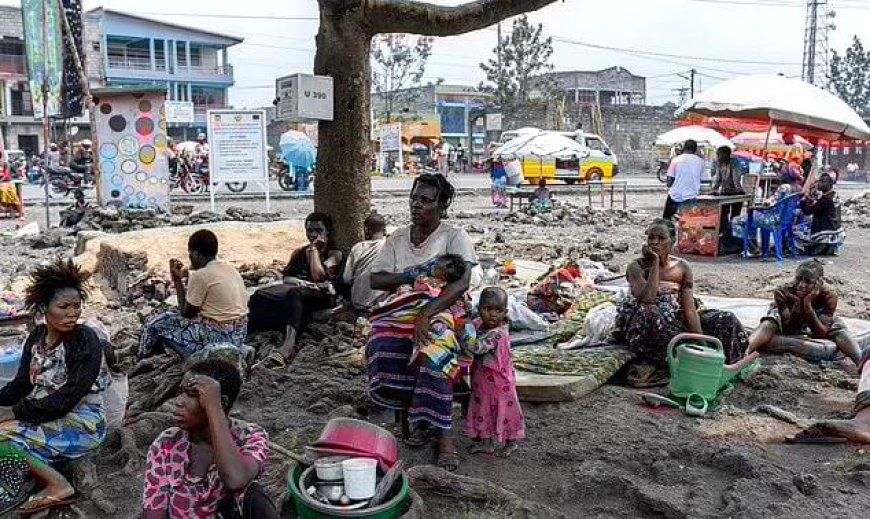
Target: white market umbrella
column 542, row 144
column 698, row 134
column 757, row 102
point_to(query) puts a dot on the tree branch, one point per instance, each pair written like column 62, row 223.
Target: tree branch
column 385, row 16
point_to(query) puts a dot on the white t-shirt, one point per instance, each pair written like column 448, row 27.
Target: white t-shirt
column 399, row 254
column 687, row 170
column 358, row 272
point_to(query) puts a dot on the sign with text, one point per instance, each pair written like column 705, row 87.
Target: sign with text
column 179, row 112
column 304, row 96
column 391, row 137
column 237, row 145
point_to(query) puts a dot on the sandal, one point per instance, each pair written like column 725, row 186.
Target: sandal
column 814, row 435
column 448, row 461
column 45, row 503
column 274, row 361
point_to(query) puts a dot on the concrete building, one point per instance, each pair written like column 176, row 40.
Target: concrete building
column 127, row 49
column 445, row 107
column 610, row 86
column 121, row 49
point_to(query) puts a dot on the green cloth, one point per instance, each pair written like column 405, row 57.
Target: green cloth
column 568, row 328
column 600, row 363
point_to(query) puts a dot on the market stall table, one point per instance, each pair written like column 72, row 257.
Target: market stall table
column 700, row 223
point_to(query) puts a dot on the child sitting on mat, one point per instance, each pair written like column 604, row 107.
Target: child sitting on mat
column 495, row 419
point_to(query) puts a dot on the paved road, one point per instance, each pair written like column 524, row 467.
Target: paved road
column 34, row 193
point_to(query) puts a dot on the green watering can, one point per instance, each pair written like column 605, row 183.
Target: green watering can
column 698, row 370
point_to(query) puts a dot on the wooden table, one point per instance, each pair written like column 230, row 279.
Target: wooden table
column 700, row 223
column 522, row 194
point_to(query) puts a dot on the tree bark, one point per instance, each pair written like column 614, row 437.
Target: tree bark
column 343, row 182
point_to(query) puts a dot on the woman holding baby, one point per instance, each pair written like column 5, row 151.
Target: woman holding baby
column 421, row 389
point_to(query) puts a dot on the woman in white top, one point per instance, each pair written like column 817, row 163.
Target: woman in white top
column 423, row 390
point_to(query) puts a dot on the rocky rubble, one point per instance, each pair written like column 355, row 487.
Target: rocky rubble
column 856, row 210
column 113, row 220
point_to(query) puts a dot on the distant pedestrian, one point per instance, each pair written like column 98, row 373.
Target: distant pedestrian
column 685, row 174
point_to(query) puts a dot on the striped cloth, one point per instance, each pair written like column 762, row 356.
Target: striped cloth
column 420, row 381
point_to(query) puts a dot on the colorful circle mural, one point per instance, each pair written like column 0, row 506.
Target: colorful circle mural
column 129, row 167
column 108, row 150
column 145, row 106
column 105, row 108
column 128, row 146
column 147, row 154
column 144, row 126
column 118, row 123
column 107, row 167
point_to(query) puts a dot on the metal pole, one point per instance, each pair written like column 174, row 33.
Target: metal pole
column 692, row 85
column 45, row 122
column 498, row 59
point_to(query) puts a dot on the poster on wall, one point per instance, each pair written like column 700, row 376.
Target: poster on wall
column 131, row 142
column 237, row 149
column 44, row 52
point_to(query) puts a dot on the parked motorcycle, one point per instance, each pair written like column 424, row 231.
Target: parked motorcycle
column 64, row 182
column 194, row 177
column 662, row 170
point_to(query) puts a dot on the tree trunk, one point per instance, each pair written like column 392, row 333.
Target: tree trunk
column 343, row 182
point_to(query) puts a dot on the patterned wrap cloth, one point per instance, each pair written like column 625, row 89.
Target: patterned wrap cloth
column 422, row 380
column 647, row 329
column 188, row 336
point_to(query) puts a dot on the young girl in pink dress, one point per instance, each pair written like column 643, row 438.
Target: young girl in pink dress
column 495, row 418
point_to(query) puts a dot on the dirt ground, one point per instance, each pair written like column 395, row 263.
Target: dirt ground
column 605, row 455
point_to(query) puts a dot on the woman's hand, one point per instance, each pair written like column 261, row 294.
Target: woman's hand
column 176, row 269
column 6, row 414
column 207, row 389
column 649, row 255
column 808, row 300
column 422, row 329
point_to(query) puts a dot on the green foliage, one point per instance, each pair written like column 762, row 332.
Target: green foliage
column 525, row 64
column 398, row 66
column 850, row 76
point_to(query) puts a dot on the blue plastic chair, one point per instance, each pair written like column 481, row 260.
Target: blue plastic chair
column 778, row 220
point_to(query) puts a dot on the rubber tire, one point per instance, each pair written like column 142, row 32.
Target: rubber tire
column 594, row 174
column 285, row 182
column 193, row 184
column 662, row 175
column 237, row 187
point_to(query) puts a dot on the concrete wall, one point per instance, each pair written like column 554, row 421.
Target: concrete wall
column 630, row 130
column 10, row 22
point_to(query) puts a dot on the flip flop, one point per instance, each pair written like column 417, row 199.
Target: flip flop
column 655, row 400
column 448, row 461
column 47, row 503
column 813, row 435
column 274, row 361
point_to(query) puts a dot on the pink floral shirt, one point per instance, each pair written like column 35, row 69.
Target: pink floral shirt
column 170, row 488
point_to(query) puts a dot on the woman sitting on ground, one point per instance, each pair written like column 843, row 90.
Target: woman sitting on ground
column 208, row 465
column 804, row 309
column 826, row 233
column 307, row 288
column 421, row 391
column 661, row 304
column 9, row 199
column 53, row 409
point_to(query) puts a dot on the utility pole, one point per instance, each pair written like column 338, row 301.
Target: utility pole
column 692, row 83
column 45, row 120
column 816, row 44
column 498, row 59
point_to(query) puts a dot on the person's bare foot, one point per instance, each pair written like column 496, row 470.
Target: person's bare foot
column 853, row 430
column 53, row 493
column 508, row 449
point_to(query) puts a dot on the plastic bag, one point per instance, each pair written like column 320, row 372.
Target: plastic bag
column 115, row 400
column 597, row 327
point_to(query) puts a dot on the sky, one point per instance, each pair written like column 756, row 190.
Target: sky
column 719, row 38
